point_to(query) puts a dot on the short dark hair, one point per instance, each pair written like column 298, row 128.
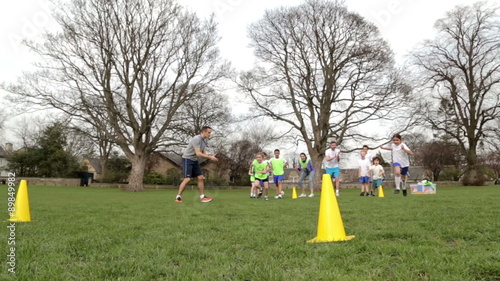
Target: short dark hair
column 366, row 146
column 205, row 128
column 376, row 157
column 276, row 150
column 333, row 142
column 397, row 136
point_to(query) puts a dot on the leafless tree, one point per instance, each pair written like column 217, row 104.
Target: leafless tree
column 323, row 71
column 129, row 63
column 461, row 72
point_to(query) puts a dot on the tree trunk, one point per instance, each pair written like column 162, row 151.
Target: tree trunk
column 135, row 181
column 104, row 166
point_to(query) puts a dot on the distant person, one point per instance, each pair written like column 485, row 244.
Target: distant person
column 400, row 161
column 364, row 174
column 191, row 166
column 306, row 170
column 332, row 158
column 261, row 167
column 378, row 173
column 253, row 190
column 368, row 156
column 278, row 165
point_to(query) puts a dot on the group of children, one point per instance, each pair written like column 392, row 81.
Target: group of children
column 259, row 175
column 370, row 170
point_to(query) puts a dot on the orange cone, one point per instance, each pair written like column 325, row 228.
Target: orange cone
column 22, row 204
column 330, row 225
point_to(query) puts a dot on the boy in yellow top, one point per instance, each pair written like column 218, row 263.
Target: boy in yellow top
column 278, row 165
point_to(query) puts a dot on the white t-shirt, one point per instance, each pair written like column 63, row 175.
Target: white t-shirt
column 377, row 171
column 399, row 155
column 334, row 163
column 364, row 167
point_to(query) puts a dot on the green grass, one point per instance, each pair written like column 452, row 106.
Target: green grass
column 81, row 233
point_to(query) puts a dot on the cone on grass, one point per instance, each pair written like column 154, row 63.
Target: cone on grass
column 294, row 193
column 330, row 225
column 380, row 191
column 22, row 204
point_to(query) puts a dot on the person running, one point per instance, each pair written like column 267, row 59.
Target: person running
column 307, row 170
column 332, row 158
column 278, row 165
column 400, row 161
column 191, row 166
column 370, row 158
column 378, row 173
column 364, row 174
column 262, row 168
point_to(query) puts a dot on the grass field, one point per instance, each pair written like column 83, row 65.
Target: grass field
column 79, row 233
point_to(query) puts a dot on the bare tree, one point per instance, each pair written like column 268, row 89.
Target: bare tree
column 461, row 71
column 324, row 72
column 129, row 63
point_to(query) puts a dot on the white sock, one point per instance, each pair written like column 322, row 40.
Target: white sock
column 397, row 182
column 404, row 184
column 202, row 196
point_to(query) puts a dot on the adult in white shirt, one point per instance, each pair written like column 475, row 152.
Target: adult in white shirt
column 332, row 158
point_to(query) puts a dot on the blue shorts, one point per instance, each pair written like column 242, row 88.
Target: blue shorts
column 334, row 172
column 190, row 168
column 262, row 181
column 364, row 179
column 404, row 170
column 376, row 183
column 278, row 179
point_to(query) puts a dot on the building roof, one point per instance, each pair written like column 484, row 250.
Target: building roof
column 96, row 164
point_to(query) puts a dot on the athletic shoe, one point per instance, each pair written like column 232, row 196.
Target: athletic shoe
column 280, row 197
column 310, row 195
column 404, row 192
column 282, row 193
column 276, row 197
column 266, row 197
column 337, row 192
column 362, row 194
column 371, row 194
column 178, row 200
column 302, row 195
column 396, row 191
column 259, row 195
column 206, row 200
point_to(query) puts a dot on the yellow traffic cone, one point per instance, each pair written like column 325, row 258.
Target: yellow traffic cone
column 380, row 191
column 22, row 204
column 330, row 225
column 294, row 193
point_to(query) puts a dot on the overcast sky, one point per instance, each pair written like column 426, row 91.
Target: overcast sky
column 403, row 23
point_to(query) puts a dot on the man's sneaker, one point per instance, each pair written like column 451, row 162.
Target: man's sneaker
column 206, row 200
column 266, row 197
column 259, row 195
column 404, row 192
column 302, row 195
column 362, row 194
column 396, row 191
column 178, row 200
column 337, row 192
column 311, row 195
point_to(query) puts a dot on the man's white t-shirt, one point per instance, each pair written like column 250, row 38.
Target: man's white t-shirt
column 334, row 163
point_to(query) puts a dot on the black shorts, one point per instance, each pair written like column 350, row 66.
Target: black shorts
column 190, row 168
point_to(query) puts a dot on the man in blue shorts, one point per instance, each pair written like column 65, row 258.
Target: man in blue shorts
column 191, row 166
column 332, row 158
